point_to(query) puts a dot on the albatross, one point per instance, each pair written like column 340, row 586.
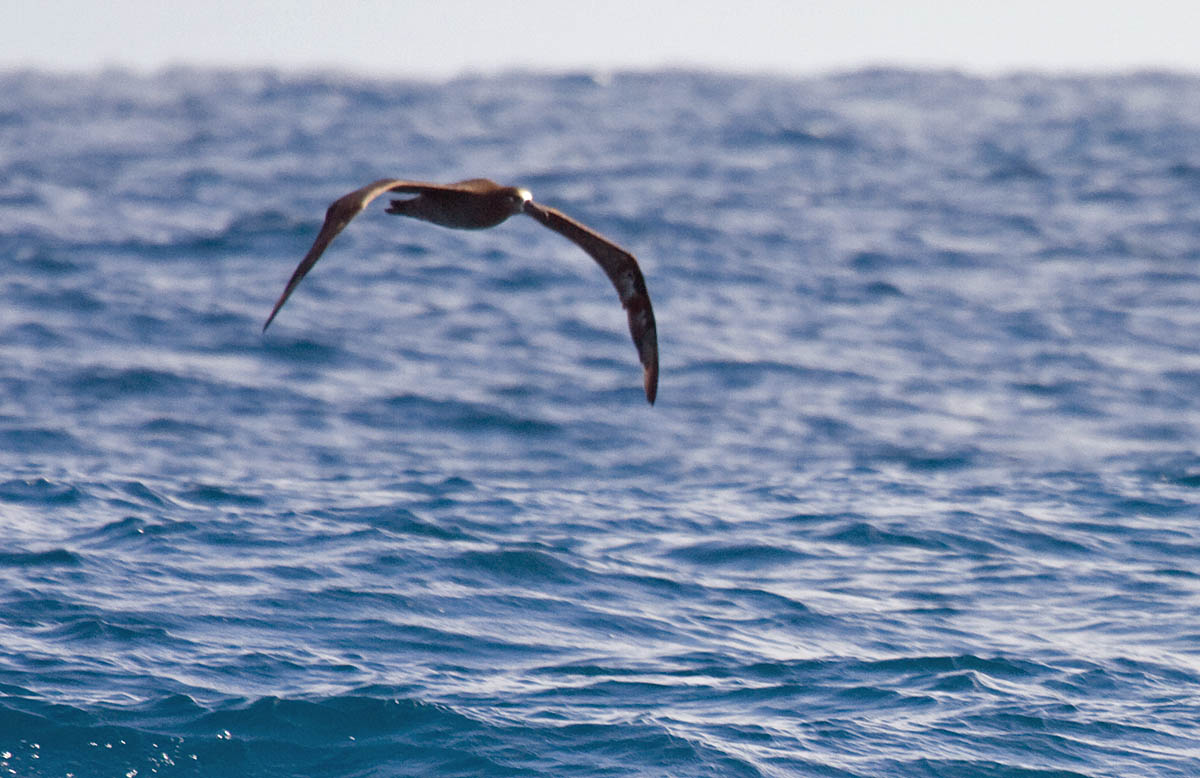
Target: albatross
column 477, row 204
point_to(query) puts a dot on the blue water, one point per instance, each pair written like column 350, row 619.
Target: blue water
column 920, row 495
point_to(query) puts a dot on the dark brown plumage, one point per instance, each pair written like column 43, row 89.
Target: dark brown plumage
column 478, row 204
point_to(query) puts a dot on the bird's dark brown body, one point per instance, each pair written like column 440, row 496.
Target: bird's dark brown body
column 477, row 204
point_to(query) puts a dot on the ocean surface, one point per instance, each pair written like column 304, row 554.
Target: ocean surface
column 920, row 495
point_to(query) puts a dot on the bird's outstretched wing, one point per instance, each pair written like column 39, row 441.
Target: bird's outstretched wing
column 622, row 269
column 339, row 214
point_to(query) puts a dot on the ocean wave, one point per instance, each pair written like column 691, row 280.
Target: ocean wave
column 916, row 497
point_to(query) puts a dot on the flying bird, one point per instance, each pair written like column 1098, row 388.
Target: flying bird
column 477, row 204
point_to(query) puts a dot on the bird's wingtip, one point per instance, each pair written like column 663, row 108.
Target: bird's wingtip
column 650, row 380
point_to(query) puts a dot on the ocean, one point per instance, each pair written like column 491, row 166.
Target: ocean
column 919, row 496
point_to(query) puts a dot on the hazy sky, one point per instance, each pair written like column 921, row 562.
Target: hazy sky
column 444, row 37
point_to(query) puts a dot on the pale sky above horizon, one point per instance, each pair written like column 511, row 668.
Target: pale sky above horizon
column 424, row 38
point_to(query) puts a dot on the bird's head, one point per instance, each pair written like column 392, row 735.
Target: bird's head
column 517, row 197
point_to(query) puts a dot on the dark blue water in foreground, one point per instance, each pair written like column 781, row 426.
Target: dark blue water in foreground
column 920, row 495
